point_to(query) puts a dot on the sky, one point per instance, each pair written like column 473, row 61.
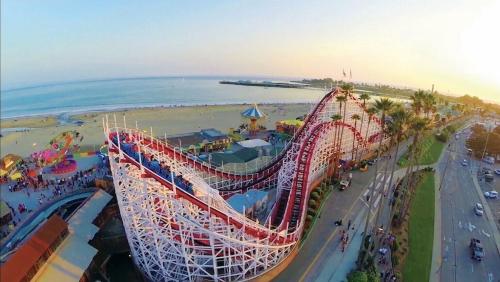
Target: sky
column 453, row 44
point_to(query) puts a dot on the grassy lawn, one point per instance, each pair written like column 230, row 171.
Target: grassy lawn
column 421, row 232
column 431, row 150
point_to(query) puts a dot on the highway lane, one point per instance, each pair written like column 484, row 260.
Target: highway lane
column 460, row 223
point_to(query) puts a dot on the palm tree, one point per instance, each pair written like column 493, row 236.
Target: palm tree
column 400, row 118
column 335, row 118
column 418, row 125
column 428, row 102
column 383, row 105
column 342, row 99
column 370, row 112
column 417, row 99
column 363, row 97
column 354, row 117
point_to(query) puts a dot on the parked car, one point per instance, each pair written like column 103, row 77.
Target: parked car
column 372, row 161
column 486, row 170
column 344, row 184
column 497, row 171
column 476, row 249
column 490, row 160
column 465, row 163
column 491, row 194
column 478, row 209
column 488, row 177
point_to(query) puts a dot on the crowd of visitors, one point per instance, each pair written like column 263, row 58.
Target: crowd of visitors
column 30, row 191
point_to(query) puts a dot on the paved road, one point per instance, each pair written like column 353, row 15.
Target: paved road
column 460, row 224
column 320, row 258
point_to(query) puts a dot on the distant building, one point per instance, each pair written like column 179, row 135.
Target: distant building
column 207, row 140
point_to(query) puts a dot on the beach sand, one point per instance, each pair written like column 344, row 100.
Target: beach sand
column 172, row 120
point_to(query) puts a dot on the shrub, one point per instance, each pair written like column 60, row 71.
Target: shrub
column 395, row 261
column 357, row 276
column 442, row 136
column 394, row 246
column 309, row 218
column 312, row 203
column 311, row 211
column 315, row 195
column 373, row 277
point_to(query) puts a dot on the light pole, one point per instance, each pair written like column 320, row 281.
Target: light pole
column 484, row 150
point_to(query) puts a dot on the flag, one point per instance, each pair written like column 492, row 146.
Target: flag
column 343, row 71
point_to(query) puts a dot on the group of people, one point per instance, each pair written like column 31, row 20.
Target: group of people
column 150, row 162
column 42, row 189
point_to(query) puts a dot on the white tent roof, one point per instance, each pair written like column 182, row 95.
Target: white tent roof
column 252, row 143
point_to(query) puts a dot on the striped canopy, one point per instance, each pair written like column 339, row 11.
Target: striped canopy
column 252, row 112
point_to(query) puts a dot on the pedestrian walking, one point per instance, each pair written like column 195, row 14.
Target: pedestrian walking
column 349, row 225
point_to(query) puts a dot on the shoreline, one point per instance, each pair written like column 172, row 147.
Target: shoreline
column 115, row 109
column 35, row 133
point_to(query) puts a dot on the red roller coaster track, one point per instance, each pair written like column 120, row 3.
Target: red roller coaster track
column 284, row 224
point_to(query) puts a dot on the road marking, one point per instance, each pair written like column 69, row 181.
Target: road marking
column 366, row 193
column 459, row 224
column 378, row 185
column 490, row 277
column 326, row 244
column 486, row 234
column 472, row 265
column 471, row 227
column 377, row 200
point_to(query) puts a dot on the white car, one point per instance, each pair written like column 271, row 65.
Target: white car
column 464, row 163
column 497, row 171
column 491, row 194
column 478, row 209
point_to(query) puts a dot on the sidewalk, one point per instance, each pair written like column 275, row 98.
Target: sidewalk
column 346, row 261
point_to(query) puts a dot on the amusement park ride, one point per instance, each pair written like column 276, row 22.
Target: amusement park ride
column 55, row 158
column 174, row 210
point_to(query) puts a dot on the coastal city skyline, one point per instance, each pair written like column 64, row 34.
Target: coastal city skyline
column 405, row 44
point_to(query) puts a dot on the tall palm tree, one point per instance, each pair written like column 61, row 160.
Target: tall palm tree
column 383, row 105
column 400, row 118
column 372, row 111
column 418, row 125
column 364, row 97
column 355, row 117
column 334, row 119
column 342, row 99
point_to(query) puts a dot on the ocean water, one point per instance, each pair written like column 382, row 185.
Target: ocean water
column 104, row 95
